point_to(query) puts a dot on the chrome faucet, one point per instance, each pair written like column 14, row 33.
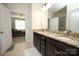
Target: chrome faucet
column 67, row 32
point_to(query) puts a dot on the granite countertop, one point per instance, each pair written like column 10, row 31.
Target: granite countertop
column 66, row 39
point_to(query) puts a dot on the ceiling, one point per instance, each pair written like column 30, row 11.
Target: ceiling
column 17, row 7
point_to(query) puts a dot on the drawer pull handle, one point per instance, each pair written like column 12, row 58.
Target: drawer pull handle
column 1, row 32
column 57, row 52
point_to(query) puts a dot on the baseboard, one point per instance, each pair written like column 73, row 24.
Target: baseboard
column 11, row 48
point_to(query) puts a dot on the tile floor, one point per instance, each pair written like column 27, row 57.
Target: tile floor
column 22, row 48
column 18, row 39
column 32, row 52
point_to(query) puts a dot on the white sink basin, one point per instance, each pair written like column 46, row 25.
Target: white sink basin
column 64, row 38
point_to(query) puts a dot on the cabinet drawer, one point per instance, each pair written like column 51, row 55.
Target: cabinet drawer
column 43, row 42
column 59, row 44
column 43, row 50
column 63, row 46
column 36, row 34
column 43, row 37
column 43, row 46
column 43, row 53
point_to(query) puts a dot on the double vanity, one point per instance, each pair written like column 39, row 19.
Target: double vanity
column 66, row 43
column 53, row 44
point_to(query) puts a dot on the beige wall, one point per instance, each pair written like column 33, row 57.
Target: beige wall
column 36, row 16
column 44, row 19
column 39, row 17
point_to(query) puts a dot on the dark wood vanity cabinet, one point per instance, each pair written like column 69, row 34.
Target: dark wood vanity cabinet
column 52, row 47
column 40, row 43
column 37, row 41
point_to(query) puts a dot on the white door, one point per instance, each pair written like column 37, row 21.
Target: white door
column 5, row 29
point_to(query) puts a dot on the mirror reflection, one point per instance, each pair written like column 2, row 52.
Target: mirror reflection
column 63, row 17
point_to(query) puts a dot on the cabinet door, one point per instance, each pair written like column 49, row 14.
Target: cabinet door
column 50, row 50
column 35, row 41
column 38, row 43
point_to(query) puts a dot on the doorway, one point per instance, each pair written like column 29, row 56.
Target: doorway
column 18, row 27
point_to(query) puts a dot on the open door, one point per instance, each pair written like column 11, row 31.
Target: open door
column 5, row 29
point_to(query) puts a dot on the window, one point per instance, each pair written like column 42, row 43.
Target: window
column 20, row 24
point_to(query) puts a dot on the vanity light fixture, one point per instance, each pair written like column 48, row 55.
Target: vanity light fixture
column 46, row 6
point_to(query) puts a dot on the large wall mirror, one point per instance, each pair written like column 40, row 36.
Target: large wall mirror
column 68, row 18
column 74, row 21
column 58, row 21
